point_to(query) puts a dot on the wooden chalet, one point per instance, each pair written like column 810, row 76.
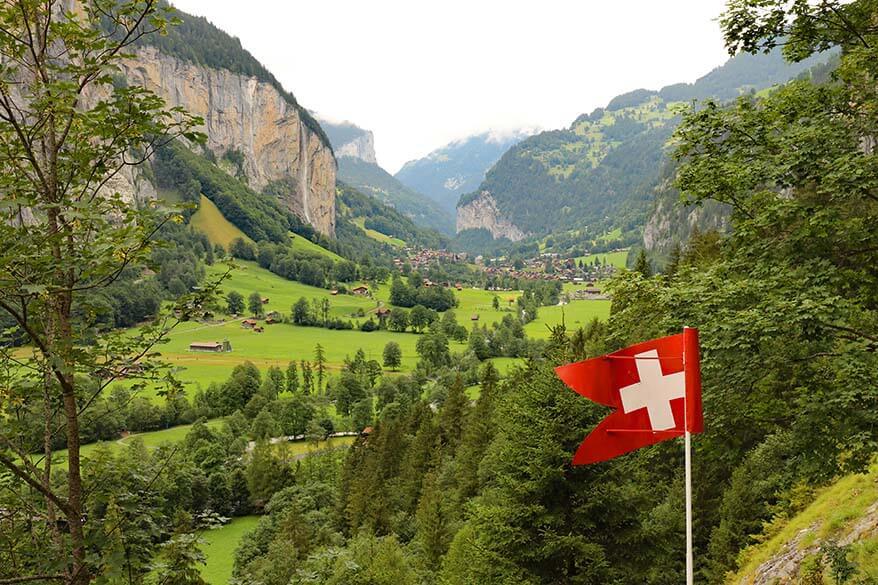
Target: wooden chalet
column 209, row 346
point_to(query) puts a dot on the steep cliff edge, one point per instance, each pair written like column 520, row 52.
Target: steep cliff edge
column 249, row 116
column 348, row 139
column 481, row 212
column 671, row 222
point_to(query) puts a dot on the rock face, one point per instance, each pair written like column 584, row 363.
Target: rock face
column 672, row 223
column 361, row 147
column 348, row 139
column 244, row 114
column 482, row 212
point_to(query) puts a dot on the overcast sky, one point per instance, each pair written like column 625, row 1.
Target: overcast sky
column 420, row 73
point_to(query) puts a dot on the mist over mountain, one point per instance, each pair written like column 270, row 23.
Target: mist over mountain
column 358, row 167
column 599, row 174
column 459, row 166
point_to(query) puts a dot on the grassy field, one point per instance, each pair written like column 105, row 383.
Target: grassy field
column 219, row 548
column 210, row 221
column 471, row 301
column 575, row 314
column 304, row 244
column 376, row 235
column 150, row 440
column 300, row 449
column 281, row 343
column 249, row 277
column 277, row 346
column 616, row 258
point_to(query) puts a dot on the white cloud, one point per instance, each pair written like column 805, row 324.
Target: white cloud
column 421, row 74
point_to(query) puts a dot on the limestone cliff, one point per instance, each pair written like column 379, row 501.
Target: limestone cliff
column 348, row 139
column 671, row 222
column 361, row 147
column 482, row 213
column 244, row 114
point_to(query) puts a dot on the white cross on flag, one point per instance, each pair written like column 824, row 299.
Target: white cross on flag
column 655, row 387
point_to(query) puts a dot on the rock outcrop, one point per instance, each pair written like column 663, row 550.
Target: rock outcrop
column 361, row 147
column 482, row 213
column 671, row 222
column 783, row 568
column 246, row 115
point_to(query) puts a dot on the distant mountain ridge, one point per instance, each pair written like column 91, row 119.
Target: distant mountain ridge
column 372, row 180
column 600, row 174
column 357, row 166
column 459, row 166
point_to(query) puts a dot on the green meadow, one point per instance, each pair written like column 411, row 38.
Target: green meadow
column 574, row 315
column 376, row 235
column 150, row 440
column 210, row 221
column 281, row 343
column 306, row 245
column 219, row 548
column 617, row 258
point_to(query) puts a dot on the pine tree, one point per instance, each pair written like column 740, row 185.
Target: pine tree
column 477, row 435
column 307, row 378
column 452, row 415
column 674, row 259
column 642, row 264
column 320, row 364
column 432, row 523
column 292, row 378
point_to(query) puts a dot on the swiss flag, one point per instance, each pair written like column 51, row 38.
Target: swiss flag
column 654, row 396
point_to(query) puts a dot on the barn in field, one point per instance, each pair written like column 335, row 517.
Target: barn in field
column 210, row 346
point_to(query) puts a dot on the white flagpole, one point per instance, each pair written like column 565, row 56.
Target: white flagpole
column 690, row 573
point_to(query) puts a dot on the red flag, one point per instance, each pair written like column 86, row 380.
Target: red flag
column 655, row 396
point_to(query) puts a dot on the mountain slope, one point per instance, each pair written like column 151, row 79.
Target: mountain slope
column 372, row 180
column 357, row 167
column 458, row 167
column 842, row 517
column 600, row 173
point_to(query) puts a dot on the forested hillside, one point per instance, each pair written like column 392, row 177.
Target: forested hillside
column 600, row 173
column 371, row 179
column 262, row 218
column 459, row 167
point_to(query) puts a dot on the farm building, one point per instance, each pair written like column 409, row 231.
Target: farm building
column 474, row 317
column 210, row 346
column 361, row 291
column 248, row 323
